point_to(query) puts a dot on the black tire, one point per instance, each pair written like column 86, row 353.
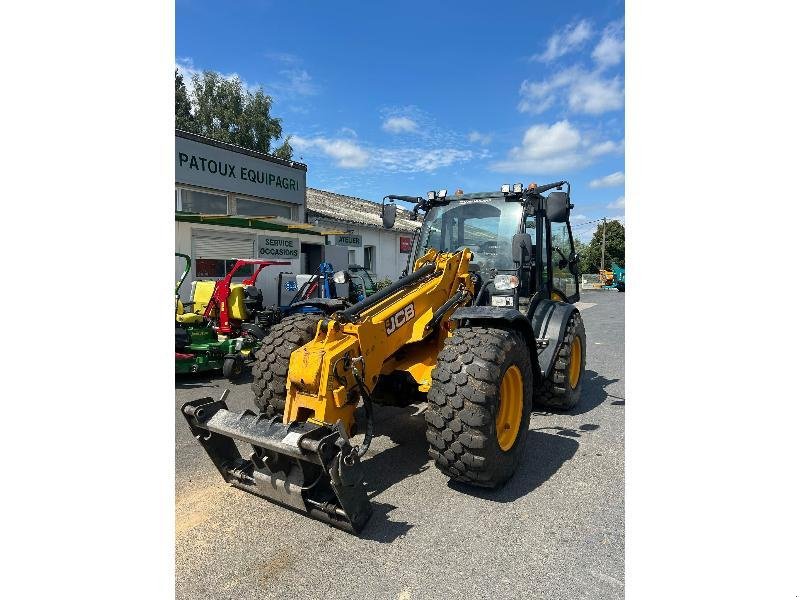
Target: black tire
column 272, row 360
column 464, row 400
column 233, row 367
column 556, row 391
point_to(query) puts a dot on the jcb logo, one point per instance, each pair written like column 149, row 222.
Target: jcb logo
column 397, row 320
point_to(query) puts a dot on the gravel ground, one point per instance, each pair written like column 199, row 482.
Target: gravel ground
column 556, row 530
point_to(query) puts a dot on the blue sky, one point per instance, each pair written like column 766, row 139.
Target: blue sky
column 381, row 99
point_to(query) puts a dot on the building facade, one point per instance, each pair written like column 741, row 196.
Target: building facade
column 385, row 252
column 231, row 202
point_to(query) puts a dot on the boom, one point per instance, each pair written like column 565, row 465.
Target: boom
column 352, row 349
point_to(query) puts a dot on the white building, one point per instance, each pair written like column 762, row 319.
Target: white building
column 231, row 202
column 383, row 251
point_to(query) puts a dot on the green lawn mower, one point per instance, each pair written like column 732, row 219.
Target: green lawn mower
column 218, row 331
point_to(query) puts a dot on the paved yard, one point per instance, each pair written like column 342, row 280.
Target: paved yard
column 556, row 530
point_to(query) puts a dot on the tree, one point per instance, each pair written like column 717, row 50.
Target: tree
column 183, row 108
column 224, row 110
column 615, row 247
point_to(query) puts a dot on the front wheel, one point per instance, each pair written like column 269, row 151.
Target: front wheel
column 233, row 367
column 479, row 405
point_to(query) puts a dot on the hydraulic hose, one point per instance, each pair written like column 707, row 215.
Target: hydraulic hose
column 410, row 279
column 362, row 448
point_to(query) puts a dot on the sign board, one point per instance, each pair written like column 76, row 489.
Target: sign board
column 405, row 244
column 278, row 247
column 348, row 240
column 217, row 168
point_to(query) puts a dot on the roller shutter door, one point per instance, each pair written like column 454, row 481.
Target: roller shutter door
column 224, row 247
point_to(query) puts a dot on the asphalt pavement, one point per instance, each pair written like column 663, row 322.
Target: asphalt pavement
column 555, row 530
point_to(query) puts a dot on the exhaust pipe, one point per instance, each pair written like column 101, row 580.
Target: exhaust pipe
column 310, row 468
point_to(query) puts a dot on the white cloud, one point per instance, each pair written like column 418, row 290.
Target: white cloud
column 571, row 38
column 479, row 138
column 295, row 82
column 400, row 125
column 552, row 148
column 348, row 131
column 413, row 160
column 346, row 153
column 578, row 217
column 618, row 203
column 583, row 91
column 615, row 179
column 607, row 147
column 611, row 47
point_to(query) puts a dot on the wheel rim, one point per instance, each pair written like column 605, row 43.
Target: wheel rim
column 575, row 362
column 509, row 413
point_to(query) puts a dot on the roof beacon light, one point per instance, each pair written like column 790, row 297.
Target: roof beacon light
column 431, row 195
column 505, row 188
column 442, row 193
column 517, row 188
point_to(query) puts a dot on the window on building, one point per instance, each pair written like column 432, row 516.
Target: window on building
column 369, row 258
column 256, row 208
column 218, row 268
column 203, row 202
column 351, row 257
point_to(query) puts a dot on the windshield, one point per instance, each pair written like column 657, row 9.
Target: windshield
column 485, row 226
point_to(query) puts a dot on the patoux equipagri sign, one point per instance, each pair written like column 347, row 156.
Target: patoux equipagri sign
column 217, row 168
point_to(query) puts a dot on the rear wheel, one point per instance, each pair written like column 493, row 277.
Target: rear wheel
column 272, row 360
column 562, row 390
column 479, row 405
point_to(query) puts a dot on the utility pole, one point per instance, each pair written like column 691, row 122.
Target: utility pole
column 603, row 251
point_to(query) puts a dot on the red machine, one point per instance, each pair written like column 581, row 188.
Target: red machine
column 222, row 291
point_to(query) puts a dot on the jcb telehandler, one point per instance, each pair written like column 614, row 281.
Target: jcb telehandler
column 483, row 326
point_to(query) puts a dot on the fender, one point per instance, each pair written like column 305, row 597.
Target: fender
column 325, row 305
column 550, row 321
column 505, row 318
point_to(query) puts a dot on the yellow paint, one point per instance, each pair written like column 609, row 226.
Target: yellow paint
column 386, row 338
column 509, row 412
column 575, row 362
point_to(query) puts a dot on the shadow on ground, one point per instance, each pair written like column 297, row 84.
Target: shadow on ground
column 593, row 394
column 543, row 457
column 187, row 381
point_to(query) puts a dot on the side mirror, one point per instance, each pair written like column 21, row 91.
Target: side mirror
column 558, row 207
column 389, row 214
column 521, row 248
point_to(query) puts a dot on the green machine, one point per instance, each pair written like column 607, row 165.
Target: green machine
column 198, row 345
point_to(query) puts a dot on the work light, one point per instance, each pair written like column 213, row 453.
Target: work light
column 431, row 195
column 506, row 282
column 442, row 193
column 517, row 188
column 505, row 188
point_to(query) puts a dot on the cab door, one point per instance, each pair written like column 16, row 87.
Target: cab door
column 565, row 269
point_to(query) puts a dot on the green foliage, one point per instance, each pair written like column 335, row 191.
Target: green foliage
column 183, row 112
column 224, row 110
column 615, row 247
column 382, row 283
column 583, row 253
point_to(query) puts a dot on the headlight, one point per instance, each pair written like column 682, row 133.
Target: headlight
column 238, row 344
column 340, row 277
column 506, row 282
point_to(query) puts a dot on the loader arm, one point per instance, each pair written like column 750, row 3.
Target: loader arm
column 353, row 348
